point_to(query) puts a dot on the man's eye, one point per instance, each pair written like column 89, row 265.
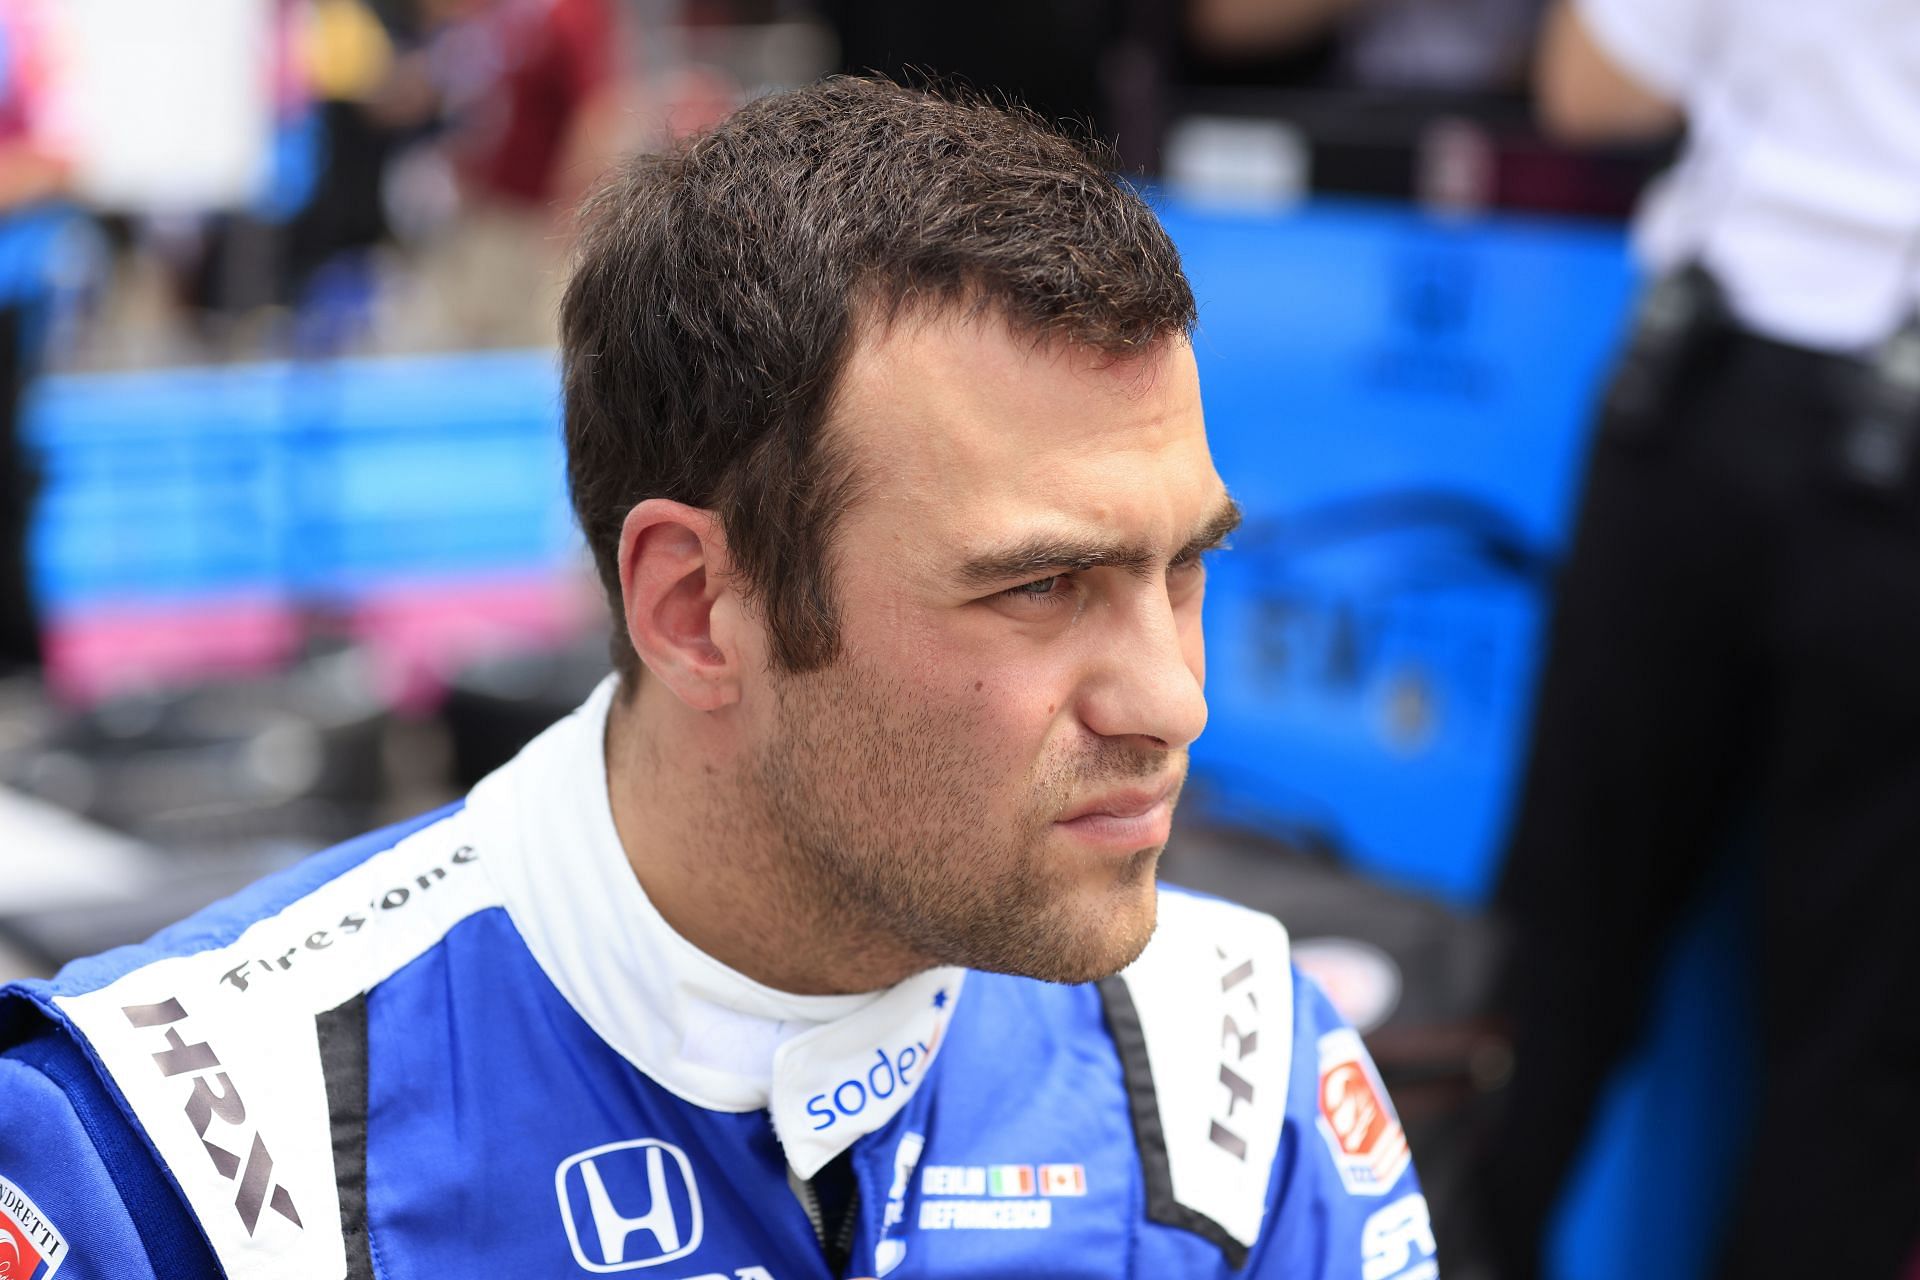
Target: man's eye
column 1038, row 589
column 1041, row 593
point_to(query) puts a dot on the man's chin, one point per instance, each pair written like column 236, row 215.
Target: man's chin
column 1109, row 930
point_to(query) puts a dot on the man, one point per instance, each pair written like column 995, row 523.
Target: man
column 1731, row 666
column 793, row 953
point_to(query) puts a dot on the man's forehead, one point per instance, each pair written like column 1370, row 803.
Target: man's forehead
column 953, row 392
column 977, row 448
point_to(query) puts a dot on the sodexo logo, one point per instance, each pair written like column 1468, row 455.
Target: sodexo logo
column 629, row 1205
column 880, row 1081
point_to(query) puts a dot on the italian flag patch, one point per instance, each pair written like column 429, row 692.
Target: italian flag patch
column 1010, row 1180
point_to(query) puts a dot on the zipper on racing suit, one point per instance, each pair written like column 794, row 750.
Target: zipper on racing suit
column 838, row 1249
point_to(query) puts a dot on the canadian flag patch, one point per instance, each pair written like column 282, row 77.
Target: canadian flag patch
column 1063, row 1180
column 1362, row 1133
column 30, row 1247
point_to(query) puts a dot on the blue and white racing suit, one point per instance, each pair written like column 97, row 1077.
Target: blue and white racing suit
column 468, row 1046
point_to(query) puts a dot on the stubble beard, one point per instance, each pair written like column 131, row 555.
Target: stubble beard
column 892, row 840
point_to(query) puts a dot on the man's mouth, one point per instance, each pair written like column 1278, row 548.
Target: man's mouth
column 1132, row 817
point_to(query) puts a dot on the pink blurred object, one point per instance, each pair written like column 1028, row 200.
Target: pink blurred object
column 422, row 633
column 109, row 650
column 418, row 635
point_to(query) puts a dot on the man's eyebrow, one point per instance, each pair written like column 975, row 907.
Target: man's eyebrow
column 1213, row 534
column 1040, row 556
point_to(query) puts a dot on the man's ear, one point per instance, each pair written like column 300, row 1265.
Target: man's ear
column 675, row 593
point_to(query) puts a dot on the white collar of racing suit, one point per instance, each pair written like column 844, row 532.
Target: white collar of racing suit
column 830, row 1069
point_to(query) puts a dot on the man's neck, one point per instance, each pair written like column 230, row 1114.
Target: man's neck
column 701, row 845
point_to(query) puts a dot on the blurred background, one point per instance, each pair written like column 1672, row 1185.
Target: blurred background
column 286, row 551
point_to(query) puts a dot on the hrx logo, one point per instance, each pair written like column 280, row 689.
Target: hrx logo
column 215, row 1097
column 629, row 1205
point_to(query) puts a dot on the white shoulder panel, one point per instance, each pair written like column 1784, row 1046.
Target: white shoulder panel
column 217, row 1052
column 1214, row 995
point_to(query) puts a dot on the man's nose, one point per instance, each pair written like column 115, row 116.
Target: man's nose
column 1148, row 677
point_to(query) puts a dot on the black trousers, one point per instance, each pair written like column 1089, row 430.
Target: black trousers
column 1736, row 645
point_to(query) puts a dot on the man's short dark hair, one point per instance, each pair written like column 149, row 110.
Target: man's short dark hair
column 717, row 285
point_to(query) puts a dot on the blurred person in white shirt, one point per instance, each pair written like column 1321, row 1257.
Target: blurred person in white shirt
column 1732, row 664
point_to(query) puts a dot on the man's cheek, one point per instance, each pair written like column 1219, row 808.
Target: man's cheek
column 1019, row 699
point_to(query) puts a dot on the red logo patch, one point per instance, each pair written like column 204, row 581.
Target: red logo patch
column 30, row 1248
column 18, row 1259
column 1352, row 1108
column 1363, row 1136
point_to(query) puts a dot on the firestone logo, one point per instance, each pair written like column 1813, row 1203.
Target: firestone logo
column 243, row 975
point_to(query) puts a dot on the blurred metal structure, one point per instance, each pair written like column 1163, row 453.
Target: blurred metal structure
column 117, row 820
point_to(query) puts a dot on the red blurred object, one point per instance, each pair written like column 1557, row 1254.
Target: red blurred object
column 559, row 56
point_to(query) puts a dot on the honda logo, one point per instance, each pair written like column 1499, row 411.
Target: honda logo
column 629, row 1205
